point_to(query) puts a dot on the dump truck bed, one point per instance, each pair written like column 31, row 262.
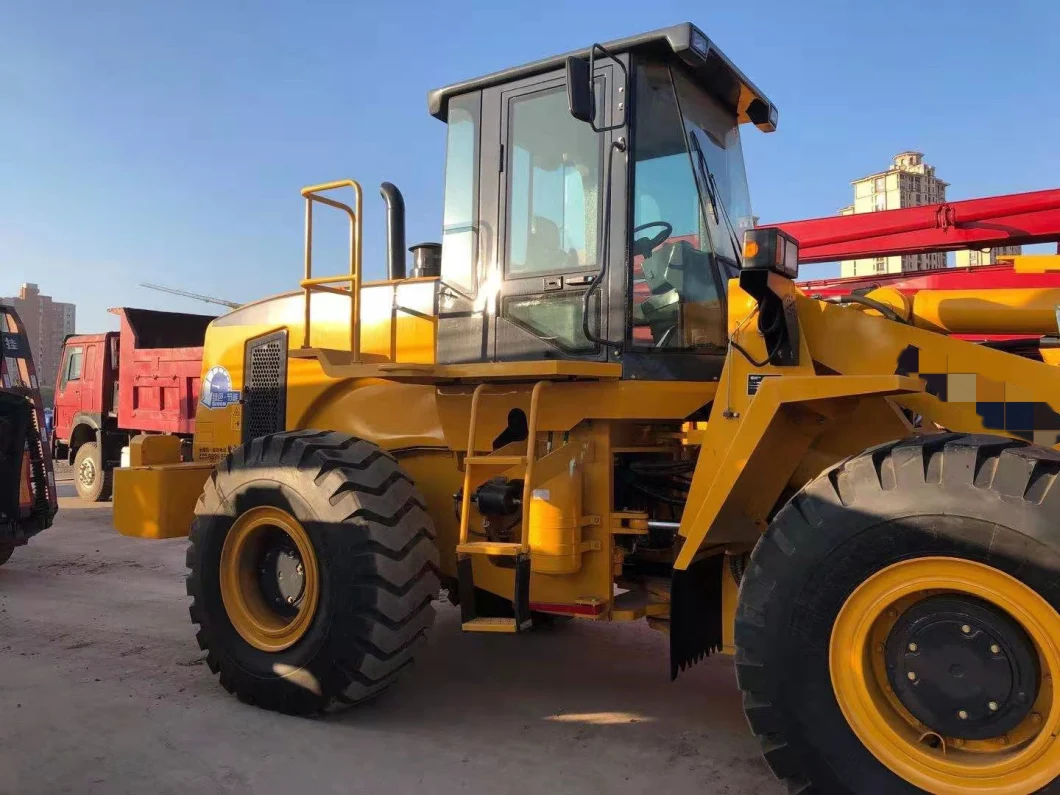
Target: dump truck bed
column 143, row 378
column 160, row 365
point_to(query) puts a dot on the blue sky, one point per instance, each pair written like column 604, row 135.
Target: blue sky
column 166, row 142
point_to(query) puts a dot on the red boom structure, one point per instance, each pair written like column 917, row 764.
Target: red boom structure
column 1013, row 220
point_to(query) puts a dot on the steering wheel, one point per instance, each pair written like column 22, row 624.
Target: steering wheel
column 646, row 245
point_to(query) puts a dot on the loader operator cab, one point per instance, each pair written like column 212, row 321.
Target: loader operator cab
column 594, row 205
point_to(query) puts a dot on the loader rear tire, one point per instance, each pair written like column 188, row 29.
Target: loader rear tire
column 952, row 532
column 358, row 547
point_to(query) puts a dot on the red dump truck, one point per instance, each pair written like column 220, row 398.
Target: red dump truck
column 28, row 501
column 143, row 378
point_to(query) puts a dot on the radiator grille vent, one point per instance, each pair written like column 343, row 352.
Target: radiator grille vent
column 264, row 399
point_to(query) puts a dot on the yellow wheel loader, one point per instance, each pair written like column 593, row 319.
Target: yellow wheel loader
column 603, row 397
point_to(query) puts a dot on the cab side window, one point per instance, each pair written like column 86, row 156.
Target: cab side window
column 554, row 198
column 72, row 370
column 460, row 214
column 675, row 302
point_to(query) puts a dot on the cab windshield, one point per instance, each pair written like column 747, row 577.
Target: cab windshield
column 714, row 132
column 690, row 200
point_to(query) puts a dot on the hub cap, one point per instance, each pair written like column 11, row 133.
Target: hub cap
column 269, row 578
column 86, row 473
column 944, row 669
column 962, row 667
column 282, row 576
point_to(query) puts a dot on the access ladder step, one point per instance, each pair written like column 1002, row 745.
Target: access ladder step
column 490, row 625
column 489, row 548
column 498, row 460
column 470, row 621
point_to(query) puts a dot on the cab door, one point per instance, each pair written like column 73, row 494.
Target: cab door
column 68, row 391
column 551, row 194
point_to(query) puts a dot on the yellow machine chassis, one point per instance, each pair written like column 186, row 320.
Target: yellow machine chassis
column 754, row 436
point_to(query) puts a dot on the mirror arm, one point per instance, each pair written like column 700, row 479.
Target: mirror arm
column 618, row 145
column 592, row 87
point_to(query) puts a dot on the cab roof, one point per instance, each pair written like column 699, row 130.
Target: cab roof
column 708, row 66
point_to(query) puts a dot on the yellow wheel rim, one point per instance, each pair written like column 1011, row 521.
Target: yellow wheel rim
column 1022, row 760
column 262, row 545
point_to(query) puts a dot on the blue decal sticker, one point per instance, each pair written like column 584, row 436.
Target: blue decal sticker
column 217, row 392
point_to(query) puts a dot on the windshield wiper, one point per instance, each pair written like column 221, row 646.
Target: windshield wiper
column 711, row 189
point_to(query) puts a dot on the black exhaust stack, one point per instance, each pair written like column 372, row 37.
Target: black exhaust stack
column 395, row 230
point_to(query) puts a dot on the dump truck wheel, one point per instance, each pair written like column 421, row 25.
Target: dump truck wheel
column 897, row 628
column 92, row 478
column 6, row 550
column 312, row 570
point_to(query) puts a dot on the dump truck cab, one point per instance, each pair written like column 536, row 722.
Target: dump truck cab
column 610, row 239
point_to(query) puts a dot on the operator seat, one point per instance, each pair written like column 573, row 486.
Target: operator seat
column 680, row 279
column 543, row 249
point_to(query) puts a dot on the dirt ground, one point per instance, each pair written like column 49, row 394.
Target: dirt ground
column 103, row 690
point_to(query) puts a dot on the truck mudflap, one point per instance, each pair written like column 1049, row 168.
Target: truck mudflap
column 695, row 613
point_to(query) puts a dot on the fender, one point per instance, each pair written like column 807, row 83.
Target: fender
column 750, row 453
column 87, row 419
column 760, row 431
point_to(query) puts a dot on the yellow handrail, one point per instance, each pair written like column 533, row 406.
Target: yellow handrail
column 465, row 500
column 311, row 283
column 531, row 459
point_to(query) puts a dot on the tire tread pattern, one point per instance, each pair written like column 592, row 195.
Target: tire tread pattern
column 387, row 544
column 1013, row 471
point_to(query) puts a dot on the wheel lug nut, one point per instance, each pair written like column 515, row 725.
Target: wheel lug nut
column 992, row 706
column 299, row 569
column 957, row 742
column 1036, row 718
column 995, row 649
column 879, row 647
column 912, row 647
column 290, row 600
column 1002, row 740
column 892, row 613
column 962, row 714
column 967, row 630
column 911, row 676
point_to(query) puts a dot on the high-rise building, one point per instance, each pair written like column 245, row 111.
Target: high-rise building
column 984, row 256
column 909, row 182
column 47, row 324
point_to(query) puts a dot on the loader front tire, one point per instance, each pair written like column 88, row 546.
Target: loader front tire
column 898, row 627
column 312, row 567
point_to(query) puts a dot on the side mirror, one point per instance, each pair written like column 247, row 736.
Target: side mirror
column 580, row 96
